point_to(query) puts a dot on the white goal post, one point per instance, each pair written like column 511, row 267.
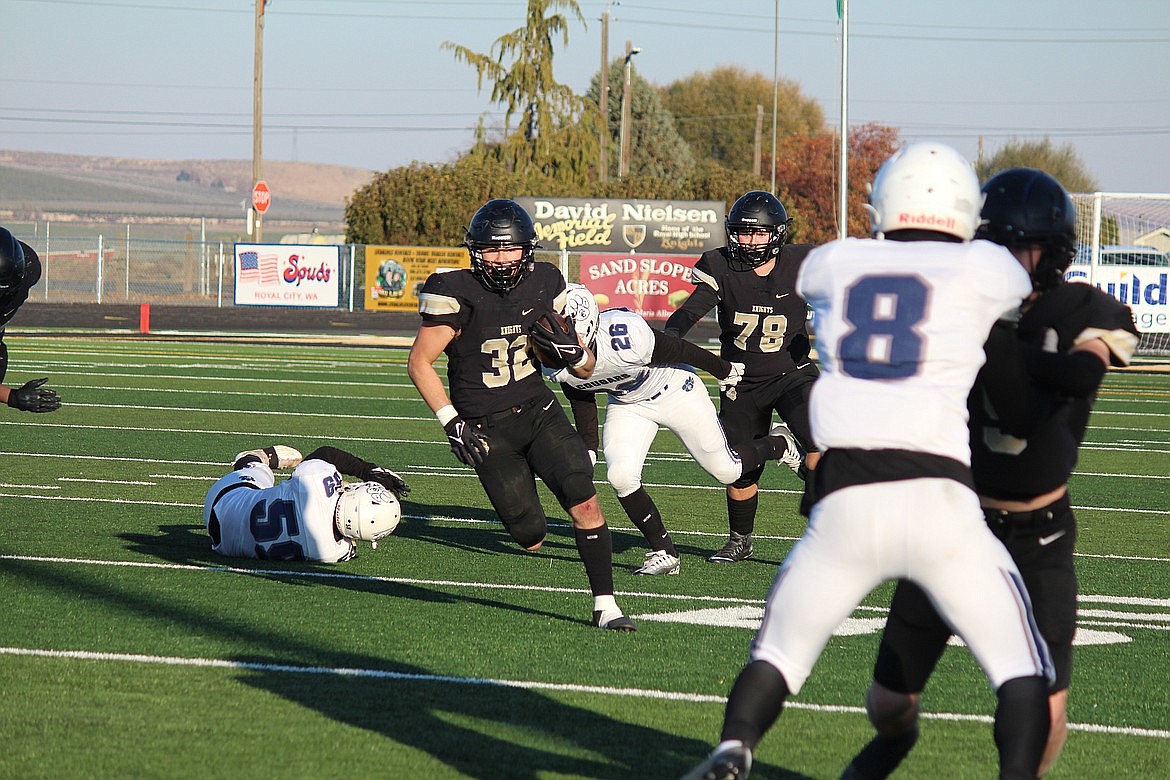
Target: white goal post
column 1123, row 248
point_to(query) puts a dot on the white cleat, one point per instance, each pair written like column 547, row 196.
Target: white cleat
column 731, row 762
column 659, row 562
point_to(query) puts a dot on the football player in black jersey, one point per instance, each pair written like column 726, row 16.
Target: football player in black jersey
column 20, row 269
column 762, row 321
column 1022, row 454
column 501, row 417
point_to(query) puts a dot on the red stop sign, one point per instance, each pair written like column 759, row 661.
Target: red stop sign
column 261, row 197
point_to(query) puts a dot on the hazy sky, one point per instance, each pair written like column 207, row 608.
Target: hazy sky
column 364, row 82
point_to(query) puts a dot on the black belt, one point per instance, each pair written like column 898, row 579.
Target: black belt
column 512, row 410
column 1037, row 517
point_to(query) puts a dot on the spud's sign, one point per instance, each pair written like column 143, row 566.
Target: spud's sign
column 634, row 226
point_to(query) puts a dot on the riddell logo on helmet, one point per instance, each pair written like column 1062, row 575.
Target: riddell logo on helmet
column 925, row 219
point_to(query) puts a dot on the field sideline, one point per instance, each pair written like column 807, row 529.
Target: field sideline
column 130, row 650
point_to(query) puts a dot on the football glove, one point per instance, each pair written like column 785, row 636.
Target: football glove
column 468, row 444
column 555, row 340
column 389, row 480
column 732, row 378
column 31, row 397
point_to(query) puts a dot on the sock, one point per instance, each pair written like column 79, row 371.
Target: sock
column 595, row 546
column 881, row 756
column 605, row 604
column 1021, row 726
column 741, row 515
column 644, row 514
column 754, row 704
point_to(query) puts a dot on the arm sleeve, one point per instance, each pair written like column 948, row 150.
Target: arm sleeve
column 350, row 465
column 702, row 300
column 583, row 404
column 1077, row 374
column 670, row 349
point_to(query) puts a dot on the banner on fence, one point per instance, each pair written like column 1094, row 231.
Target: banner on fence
column 395, row 274
column 1142, row 288
column 650, row 285
column 613, row 225
column 287, row 275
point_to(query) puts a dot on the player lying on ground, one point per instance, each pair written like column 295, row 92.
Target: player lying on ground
column 312, row 516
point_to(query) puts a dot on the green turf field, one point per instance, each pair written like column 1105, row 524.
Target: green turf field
column 128, row 649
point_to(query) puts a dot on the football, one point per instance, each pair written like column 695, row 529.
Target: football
column 552, row 325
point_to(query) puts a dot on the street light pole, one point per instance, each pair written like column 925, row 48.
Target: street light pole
column 624, row 148
column 257, row 112
column 603, row 157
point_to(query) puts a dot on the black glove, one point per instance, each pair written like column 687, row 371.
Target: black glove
column 31, row 397
column 468, row 444
column 555, row 340
column 389, row 480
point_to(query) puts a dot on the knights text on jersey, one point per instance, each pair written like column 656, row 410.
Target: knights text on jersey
column 489, row 365
column 289, row 521
column 762, row 319
column 624, row 348
column 1020, row 469
column 900, row 333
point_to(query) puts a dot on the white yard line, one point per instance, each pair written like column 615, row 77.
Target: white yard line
column 534, row 685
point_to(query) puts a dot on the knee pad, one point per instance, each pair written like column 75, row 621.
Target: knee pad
column 624, row 480
column 576, row 488
column 528, row 530
column 749, row 478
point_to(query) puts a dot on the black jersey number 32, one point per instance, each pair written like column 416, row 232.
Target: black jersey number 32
column 509, row 360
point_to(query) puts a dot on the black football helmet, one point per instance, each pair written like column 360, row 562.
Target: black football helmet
column 11, row 262
column 501, row 224
column 756, row 210
column 1025, row 206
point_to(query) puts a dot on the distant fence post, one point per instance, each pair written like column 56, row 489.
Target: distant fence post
column 45, row 265
column 127, row 262
column 219, row 273
column 99, row 269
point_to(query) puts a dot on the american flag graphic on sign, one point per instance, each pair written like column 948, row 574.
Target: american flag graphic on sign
column 259, row 269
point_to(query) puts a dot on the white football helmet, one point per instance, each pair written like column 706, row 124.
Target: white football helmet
column 581, row 309
column 366, row 511
column 926, row 186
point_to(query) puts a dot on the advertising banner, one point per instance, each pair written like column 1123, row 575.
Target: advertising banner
column 613, row 225
column 650, row 285
column 1142, row 288
column 395, row 274
column 287, row 275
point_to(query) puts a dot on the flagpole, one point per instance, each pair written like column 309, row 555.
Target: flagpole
column 843, row 205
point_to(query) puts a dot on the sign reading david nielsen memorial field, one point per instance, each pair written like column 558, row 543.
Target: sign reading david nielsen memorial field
column 688, row 227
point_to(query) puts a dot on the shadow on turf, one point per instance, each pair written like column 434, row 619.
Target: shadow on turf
column 458, row 722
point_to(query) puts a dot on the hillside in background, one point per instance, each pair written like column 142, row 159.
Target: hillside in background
column 33, row 184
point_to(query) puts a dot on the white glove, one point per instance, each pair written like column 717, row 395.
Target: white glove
column 732, row 379
column 592, row 457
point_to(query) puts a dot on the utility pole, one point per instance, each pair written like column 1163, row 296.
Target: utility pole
column 624, row 151
column 257, row 113
column 603, row 158
column 756, row 145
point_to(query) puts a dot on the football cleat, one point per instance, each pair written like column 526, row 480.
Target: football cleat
column 793, row 456
column 659, row 562
column 613, row 620
column 730, row 762
column 737, row 548
column 278, row 456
